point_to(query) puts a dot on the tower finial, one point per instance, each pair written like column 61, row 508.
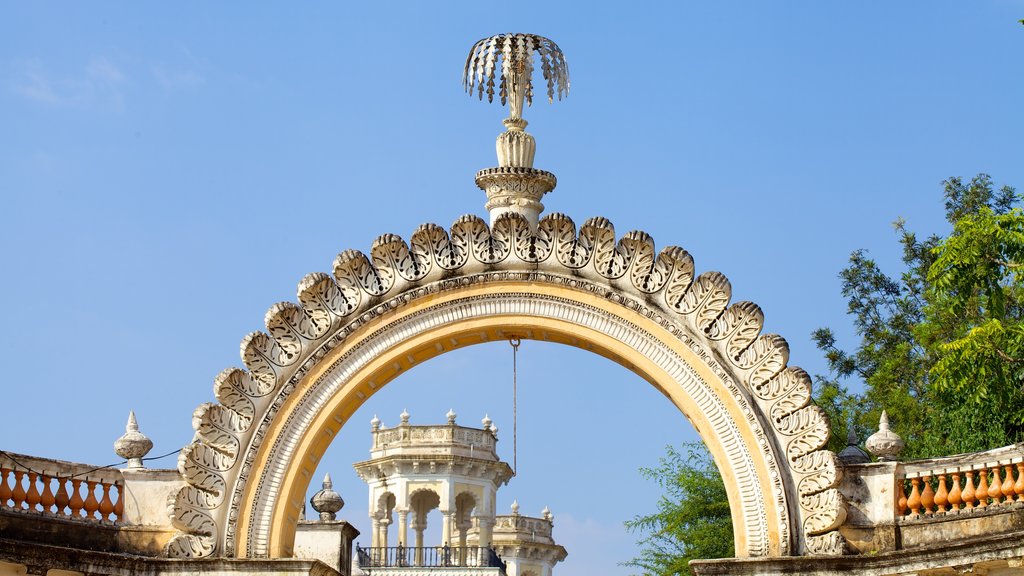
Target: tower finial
column 515, row 186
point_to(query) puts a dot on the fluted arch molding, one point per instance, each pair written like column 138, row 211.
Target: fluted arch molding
column 376, row 315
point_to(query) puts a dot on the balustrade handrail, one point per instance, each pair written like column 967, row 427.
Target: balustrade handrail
column 993, row 479
column 428, row 557
column 61, row 489
column 1011, row 454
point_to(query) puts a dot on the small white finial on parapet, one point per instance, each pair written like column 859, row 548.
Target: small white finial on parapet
column 885, row 444
column 375, row 423
column 451, row 415
column 486, row 422
column 327, row 502
column 515, row 186
column 515, row 507
column 546, row 513
column 404, row 416
column 133, row 445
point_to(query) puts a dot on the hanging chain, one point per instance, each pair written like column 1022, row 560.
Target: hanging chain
column 514, row 341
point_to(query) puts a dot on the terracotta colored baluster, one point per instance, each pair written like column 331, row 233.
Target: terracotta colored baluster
column 18, row 496
column 106, row 504
column 1019, row 486
column 119, row 505
column 76, row 498
column 927, row 496
column 982, row 488
column 954, row 495
column 5, row 490
column 995, row 490
column 970, row 495
column 91, row 503
column 1007, row 487
column 47, row 498
column 914, row 502
column 32, row 497
column 901, row 503
column 62, row 499
column 942, row 496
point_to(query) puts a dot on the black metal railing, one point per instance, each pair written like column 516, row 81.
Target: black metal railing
column 429, row 556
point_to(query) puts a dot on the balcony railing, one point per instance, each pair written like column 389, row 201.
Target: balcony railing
column 428, row 557
column 62, row 489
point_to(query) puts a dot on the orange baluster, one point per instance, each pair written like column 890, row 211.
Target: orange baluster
column 901, row 503
column 119, row 504
column 106, row 504
column 91, row 503
column 928, row 495
column 76, row 502
column 942, row 495
column 1007, row 487
column 1019, row 486
column 982, row 488
column 33, row 497
column 955, row 498
column 5, row 490
column 995, row 490
column 969, row 493
column 18, row 496
column 47, row 498
column 62, row 499
column 914, row 501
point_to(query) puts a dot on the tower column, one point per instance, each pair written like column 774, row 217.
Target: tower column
column 447, row 519
column 403, row 527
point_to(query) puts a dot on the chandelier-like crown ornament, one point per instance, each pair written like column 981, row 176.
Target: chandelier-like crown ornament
column 515, row 185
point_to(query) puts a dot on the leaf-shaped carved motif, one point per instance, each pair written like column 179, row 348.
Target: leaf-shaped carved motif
column 812, row 436
column 599, row 234
column 680, row 277
column 828, row 544
column 282, row 322
column 739, row 325
column 823, row 511
column 816, row 460
column 205, row 421
column 426, row 244
column 707, row 297
column 208, row 458
column 256, row 349
column 643, row 272
column 390, row 252
column 795, row 400
column 765, row 358
column 783, row 384
column 355, row 268
column 204, row 479
column 823, row 478
column 190, row 511
column 190, row 546
column 570, row 251
column 323, row 302
column 229, row 392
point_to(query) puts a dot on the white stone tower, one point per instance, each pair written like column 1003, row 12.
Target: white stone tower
column 414, row 470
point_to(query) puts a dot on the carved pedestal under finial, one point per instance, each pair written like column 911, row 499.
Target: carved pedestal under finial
column 515, row 186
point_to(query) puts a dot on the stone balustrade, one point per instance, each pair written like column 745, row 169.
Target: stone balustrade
column 60, row 489
column 962, row 483
column 440, row 439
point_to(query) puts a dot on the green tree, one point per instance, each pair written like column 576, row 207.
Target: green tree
column 941, row 345
column 692, row 520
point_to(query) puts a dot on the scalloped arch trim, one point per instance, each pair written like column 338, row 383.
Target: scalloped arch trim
column 626, row 272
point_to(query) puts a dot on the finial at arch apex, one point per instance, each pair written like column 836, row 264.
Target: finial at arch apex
column 628, row 271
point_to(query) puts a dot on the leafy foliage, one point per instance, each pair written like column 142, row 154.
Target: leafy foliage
column 692, row 520
column 942, row 345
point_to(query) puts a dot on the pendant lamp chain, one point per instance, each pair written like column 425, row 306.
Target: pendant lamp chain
column 514, row 341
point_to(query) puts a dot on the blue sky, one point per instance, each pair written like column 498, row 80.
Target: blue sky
column 167, row 172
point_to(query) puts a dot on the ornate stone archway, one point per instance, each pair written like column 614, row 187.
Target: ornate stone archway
column 256, row 448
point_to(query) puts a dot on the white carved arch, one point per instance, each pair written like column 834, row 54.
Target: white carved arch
column 627, row 301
